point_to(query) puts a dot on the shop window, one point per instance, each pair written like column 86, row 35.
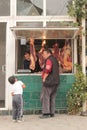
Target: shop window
column 61, row 48
column 30, row 24
column 56, row 7
column 4, row 7
column 62, row 24
column 29, row 7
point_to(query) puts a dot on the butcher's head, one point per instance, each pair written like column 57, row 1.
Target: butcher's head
column 46, row 53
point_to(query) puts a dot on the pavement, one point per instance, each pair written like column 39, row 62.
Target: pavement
column 33, row 122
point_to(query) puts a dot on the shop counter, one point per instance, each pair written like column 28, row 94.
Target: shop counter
column 32, row 91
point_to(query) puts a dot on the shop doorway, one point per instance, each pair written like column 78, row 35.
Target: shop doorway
column 2, row 63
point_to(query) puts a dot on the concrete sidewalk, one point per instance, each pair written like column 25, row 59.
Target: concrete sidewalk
column 33, row 122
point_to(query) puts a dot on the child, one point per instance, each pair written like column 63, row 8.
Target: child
column 17, row 99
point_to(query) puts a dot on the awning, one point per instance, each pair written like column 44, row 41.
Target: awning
column 45, row 33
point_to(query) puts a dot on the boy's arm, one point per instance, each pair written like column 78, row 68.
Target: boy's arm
column 12, row 93
column 23, row 86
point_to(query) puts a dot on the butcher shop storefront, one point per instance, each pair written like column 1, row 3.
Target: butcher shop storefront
column 62, row 42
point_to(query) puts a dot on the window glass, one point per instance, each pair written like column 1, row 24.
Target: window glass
column 30, row 24
column 60, row 24
column 56, row 7
column 29, row 7
column 4, row 7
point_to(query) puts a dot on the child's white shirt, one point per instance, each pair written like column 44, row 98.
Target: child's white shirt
column 17, row 87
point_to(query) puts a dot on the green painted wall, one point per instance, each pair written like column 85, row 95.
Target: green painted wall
column 32, row 91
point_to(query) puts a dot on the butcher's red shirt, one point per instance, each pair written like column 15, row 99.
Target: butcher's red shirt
column 48, row 68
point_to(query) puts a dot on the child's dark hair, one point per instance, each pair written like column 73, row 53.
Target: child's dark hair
column 11, row 79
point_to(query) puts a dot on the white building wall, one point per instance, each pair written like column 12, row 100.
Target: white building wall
column 10, row 62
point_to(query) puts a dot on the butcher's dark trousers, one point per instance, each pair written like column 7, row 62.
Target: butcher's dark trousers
column 48, row 95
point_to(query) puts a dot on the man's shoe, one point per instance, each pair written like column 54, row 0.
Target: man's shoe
column 44, row 116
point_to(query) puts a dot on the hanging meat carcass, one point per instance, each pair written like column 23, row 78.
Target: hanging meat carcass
column 41, row 59
column 32, row 54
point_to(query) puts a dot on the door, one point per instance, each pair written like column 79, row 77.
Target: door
column 2, row 63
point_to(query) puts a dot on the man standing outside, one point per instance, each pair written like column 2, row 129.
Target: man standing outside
column 50, row 79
